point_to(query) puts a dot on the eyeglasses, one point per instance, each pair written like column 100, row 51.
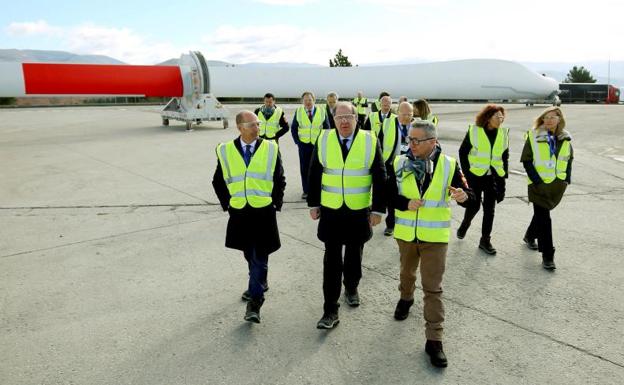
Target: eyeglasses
column 346, row 117
column 251, row 124
column 418, row 141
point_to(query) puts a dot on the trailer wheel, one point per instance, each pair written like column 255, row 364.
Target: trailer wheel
column 188, row 126
column 198, row 121
column 165, row 121
column 225, row 124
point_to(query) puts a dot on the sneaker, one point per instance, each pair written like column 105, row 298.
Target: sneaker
column 328, row 321
column 353, row 299
column 530, row 243
column 388, row 231
column 252, row 313
column 402, row 309
column 486, row 246
column 436, row 353
column 246, row 296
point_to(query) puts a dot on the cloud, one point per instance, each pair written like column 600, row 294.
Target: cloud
column 88, row 38
column 29, row 28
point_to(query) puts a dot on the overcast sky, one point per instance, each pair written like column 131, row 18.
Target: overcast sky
column 312, row 31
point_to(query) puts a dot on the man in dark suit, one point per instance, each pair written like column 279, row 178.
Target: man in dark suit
column 249, row 182
column 332, row 99
column 345, row 166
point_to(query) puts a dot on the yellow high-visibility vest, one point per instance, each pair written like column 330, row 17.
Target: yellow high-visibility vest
column 359, row 105
column 483, row 155
column 309, row 131
column 251, row 184
column 270, row 127
column 346, row 181
column 548, row 167
column 432, row 221
column 376, row 123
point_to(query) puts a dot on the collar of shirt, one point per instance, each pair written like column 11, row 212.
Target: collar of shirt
column 349, row 141
column 252, row 144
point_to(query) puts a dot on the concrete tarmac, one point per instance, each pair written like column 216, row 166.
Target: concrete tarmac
column 113, row 268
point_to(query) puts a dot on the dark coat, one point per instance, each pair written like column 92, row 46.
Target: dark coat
column 345, row 225
column 485, row 181
column 252, row 227
column 546, row 195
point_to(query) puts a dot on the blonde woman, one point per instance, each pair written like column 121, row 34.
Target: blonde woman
column 547, row 159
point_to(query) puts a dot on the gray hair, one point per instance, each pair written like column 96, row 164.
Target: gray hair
column 426, row 126
column 332, row 94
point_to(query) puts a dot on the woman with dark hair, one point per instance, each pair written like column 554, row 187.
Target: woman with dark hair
column 423, row 111
column 484, row 157
column 547, row 158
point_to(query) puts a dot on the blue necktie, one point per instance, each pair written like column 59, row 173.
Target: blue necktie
column 247, row 154
column 552, row 143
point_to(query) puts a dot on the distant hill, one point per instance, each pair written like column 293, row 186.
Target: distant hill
column 31, row 55
column 211, row 63
column 598, row 69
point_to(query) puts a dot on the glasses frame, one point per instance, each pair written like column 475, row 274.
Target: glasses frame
column 418, row 141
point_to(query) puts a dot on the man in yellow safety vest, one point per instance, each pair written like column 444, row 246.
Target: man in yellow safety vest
column 422, row 182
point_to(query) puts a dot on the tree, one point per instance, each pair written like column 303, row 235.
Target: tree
column 340, row 60
column 7, row 101
column 579, row 75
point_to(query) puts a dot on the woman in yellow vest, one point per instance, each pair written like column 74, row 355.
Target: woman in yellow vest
column 484, row 156
column 423, row 111
column 547, row 158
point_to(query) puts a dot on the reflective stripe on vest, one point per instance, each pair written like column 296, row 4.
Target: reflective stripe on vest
column 548, row 167
column 251, row 184
column 433, row 119
column 391, row 146
column 483, row 155
column 359, row 105
column 310, row 131
column 346, row 181
column 375, row 121
column 432, row 221
column 269, row 127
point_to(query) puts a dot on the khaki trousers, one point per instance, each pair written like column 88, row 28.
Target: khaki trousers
column 432, row 259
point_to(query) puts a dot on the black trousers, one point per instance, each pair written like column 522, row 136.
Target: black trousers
column 485, row 188
column 540, row 228
column 334, row 268
column 305, row 156
column 390, row 216
column 258, row 263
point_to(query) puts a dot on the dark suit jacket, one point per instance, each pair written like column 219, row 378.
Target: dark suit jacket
column 345, row 225
column 330, row 117
column 252, row 227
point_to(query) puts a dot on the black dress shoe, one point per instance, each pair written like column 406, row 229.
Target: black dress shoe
column 353, row 298
column 246, row 296
column 461, row 232
column 486, row 246
column 436, row 353
column 402, row 309
column 530, row 243
column 328, row 321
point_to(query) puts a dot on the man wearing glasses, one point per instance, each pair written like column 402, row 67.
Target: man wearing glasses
column 345, row 166
column 421, row 184
column 249, row 182
column 393, row 143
